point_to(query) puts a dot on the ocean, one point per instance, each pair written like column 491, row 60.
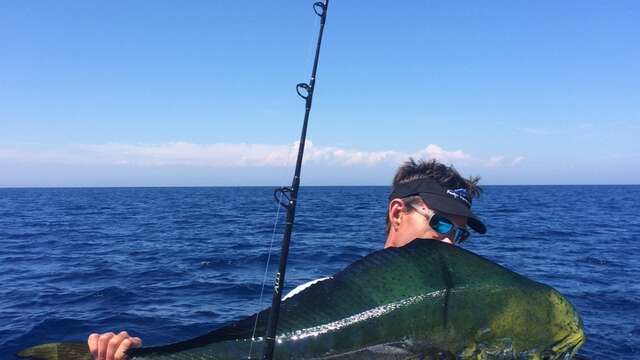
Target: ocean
column 167, row 264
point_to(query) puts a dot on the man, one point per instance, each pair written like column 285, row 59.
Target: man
column 428, row 201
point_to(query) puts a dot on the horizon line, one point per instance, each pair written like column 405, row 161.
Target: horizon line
column 271, row 186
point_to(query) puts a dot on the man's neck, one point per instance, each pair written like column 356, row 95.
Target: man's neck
column 393, row 240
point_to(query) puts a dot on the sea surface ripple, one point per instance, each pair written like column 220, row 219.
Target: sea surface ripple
column 168, row 264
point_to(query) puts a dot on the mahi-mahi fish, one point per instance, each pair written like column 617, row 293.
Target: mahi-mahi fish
column 426, row 300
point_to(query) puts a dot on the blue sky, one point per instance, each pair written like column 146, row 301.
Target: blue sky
column 202, row 93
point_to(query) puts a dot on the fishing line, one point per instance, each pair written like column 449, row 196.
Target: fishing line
column 311, row 47
column 287, row 161
column 264, row 278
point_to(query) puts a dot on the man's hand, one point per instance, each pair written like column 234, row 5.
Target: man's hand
column 109, row 346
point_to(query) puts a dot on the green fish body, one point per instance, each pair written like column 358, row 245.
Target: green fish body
column 426, row 300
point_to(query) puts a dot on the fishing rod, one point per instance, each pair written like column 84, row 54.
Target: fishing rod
column 287, row 196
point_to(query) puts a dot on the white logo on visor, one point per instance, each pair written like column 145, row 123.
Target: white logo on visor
column 460, row 194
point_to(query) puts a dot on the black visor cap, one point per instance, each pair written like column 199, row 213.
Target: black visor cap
column 439, row 198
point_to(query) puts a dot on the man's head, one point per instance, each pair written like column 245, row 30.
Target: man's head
column 430, row 200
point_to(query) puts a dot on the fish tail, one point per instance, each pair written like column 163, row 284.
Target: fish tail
column 57, row 351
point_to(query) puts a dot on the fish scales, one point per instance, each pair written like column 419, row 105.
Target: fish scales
column 426, row 300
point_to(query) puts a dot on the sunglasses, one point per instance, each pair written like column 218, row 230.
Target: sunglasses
column 444, row 226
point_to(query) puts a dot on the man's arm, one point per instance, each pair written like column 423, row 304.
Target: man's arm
column 109, row 346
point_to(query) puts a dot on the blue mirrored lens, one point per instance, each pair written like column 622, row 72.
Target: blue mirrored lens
column 441, row 224
column 461, row 235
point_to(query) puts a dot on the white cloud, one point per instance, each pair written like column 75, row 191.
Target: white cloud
column 221, row 155
column 495, row 161
column 517, row 160
column 43, row 156
column 501, row 161
column 436, row 152
column 186, row 154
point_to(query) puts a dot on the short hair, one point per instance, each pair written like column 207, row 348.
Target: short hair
column 445, row 175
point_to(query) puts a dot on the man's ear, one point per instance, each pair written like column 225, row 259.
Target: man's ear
column 395, row 213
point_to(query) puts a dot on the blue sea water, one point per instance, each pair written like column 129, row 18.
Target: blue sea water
column 168, row 264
